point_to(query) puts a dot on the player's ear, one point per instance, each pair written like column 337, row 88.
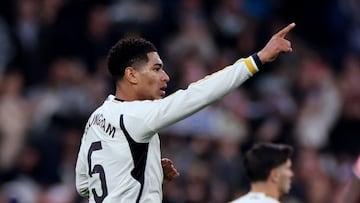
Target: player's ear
column 131, row 75
column 274, row 175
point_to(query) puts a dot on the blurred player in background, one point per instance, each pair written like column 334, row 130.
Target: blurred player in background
column 268, row 167
column 119, row 158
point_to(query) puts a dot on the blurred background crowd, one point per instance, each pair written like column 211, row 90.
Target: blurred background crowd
column 53, row 74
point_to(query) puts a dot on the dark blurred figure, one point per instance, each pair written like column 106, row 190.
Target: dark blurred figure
column 344, row 137
column 268, row 168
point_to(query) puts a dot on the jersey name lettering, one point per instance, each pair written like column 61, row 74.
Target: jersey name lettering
column 100, row 121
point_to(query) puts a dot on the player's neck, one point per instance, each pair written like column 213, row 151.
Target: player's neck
column 125, row 93
column 267, row 188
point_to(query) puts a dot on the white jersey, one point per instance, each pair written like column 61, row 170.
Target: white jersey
column 255, row 197
column 120, row 159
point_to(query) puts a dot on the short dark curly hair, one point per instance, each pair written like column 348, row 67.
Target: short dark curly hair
column 126, row 52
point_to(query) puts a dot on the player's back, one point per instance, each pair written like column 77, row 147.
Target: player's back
column 110, row 163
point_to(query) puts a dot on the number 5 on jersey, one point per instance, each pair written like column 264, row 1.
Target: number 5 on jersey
column 95, row 146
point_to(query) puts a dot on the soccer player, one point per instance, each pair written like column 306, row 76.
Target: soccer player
column 119, row 158
column 268, row 167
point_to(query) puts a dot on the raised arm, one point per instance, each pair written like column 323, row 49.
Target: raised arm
column 161, row 113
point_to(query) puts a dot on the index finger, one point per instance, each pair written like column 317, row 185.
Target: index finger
column 282, row 33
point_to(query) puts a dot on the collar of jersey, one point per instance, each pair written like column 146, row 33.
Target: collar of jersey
column 117, row 99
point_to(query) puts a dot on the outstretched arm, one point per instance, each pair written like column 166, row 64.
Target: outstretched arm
column 276, row 45
column 164, row 112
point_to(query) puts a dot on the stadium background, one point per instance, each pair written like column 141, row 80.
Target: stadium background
column 53, row 74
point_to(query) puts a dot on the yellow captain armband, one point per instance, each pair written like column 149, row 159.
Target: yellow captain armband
column 250, row 63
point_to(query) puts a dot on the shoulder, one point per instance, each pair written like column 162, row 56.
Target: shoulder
column 254, row 198
column 268, row 199
column 242, row 199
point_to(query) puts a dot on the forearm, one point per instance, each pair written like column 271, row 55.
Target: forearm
column 82, row 186
column 81, row 178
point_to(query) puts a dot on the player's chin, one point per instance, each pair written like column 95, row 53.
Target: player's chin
column 158, row 97
column 287, row 188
